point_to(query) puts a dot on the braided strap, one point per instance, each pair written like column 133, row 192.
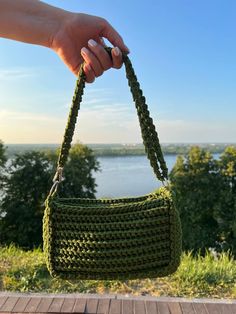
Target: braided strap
column 149, row 134
column 148, row 131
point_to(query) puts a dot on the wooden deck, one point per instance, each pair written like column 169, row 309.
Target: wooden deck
column 110, row 304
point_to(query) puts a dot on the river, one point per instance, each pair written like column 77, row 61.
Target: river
column 127, row 176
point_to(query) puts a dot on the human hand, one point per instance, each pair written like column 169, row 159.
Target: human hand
column 79, row 38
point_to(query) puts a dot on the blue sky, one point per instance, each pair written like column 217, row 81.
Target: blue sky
column 184, row 54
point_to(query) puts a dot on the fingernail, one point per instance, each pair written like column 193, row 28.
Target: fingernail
column 88, row 67
column 84, row 51
column 92, row 43
column 116, row 51
column 103, row 42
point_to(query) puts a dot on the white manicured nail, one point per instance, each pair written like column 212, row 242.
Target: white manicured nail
column 84, row 51
column 92, row 43
column 116, row 51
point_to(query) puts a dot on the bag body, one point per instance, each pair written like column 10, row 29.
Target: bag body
column 123, row 238
column 112, row 238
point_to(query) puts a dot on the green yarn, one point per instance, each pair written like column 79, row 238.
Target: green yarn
column 123, row 238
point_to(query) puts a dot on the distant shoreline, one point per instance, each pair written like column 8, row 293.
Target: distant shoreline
column 114, row 150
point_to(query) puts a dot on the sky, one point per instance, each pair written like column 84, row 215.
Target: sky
column 184, row 55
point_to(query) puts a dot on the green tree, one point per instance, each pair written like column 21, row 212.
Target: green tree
column 195, row 181
column 3, row 160
column 226, row 207
column 26, row 186
column 3, row 157
column 78, row 173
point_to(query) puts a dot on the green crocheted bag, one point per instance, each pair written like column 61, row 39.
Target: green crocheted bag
column 123, row 238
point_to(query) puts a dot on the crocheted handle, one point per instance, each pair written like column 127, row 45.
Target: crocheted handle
column 149, row 134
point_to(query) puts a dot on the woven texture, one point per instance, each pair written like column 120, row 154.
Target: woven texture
column 112, row 239
column 124, row 238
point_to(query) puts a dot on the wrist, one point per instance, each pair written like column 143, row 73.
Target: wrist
column 47, row 24
column 62, row 22
column 52, row 23
column 33, row 22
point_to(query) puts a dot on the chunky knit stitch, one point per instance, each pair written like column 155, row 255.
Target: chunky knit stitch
column 122, row 238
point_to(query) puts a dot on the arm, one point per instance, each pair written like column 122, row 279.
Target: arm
column 29, row 21
column 68, row 34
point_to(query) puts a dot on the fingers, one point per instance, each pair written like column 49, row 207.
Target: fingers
column 102, row 42
column 116, row 57
column 97, row 60
column 113, row 36
column 101, row 54
column 92, row 60
column 90, row 76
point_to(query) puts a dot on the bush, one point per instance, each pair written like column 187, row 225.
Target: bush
column 27, row 182
column 204, row 191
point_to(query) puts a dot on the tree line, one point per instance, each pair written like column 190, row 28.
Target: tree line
column 109, row 150
column 25, row 183
column 204, row 192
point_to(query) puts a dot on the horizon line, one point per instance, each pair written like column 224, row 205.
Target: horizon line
column 120, row 143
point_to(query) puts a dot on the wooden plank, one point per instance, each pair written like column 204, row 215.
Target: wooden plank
column 219, row 308
column 115, row 307
column 151, row 307
column 100, row 305
column 139, row 307
column 174, row 308
column 187, row 308
column 56, row 305
column 103, row 306
column 91, row 306
column 9, row 304
column 233, row 308
column 212, row 308
column 127, row 307
column 226, row 309
column 200, row 308
column 2, row 300
column 21, row 304
column 44, row 305
column 68, row 305
column 32, row 305
column 163, row 308
column 80, row 306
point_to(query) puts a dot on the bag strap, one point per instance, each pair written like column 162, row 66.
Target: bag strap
column 148, row 131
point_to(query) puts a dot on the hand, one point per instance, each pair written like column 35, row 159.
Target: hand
column 79, row 38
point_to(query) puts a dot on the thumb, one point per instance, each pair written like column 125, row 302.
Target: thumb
column 114, row 37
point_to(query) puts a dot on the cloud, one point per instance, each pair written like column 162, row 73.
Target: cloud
column 93, row 97
column 108, row 113
column 92, row 103
column 116, row 123
column 195, row 131
column 27, row 127
column 16, row 73
column 6, row 116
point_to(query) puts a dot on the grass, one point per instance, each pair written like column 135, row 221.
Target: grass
column 209, row 276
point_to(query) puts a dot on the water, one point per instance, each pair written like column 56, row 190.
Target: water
column 127, row 176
